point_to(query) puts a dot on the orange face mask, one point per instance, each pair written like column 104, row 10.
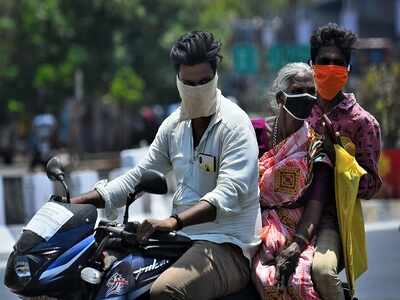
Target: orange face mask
column 330, row 79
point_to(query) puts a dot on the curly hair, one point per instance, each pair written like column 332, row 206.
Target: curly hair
column 194, row 48
column 332, row 35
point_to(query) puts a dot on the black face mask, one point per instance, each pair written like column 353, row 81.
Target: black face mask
column 299, row 106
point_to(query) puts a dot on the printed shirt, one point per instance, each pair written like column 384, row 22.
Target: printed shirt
column 355, row 123
column 222, row 169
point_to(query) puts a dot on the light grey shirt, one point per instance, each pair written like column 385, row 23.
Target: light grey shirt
column 222, row 169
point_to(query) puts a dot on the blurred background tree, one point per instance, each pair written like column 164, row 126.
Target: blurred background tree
column 55, row 51
column 44, row 42
column 379, row 90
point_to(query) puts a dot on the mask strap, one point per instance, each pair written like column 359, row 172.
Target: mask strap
column 299, row 95
column 292, row 115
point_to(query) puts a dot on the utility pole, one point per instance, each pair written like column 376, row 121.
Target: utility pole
column 76, row 112
column 78, row 86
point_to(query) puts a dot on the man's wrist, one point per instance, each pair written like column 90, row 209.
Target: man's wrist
column 178, row 222
column 172, row 224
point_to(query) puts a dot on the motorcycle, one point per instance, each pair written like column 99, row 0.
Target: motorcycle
column 62, row 254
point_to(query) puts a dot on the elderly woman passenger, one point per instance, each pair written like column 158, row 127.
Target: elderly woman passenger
column 295, row 176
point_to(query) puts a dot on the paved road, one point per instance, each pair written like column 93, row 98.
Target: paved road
column 381, row 282
column 4, row 293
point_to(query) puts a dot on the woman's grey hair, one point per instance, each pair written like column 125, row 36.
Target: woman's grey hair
column 284, row 78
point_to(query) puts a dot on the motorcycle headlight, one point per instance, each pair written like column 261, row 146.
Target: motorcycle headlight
column 18, row 273
column 22, row 269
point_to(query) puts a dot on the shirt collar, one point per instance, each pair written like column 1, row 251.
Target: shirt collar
column 348, row 102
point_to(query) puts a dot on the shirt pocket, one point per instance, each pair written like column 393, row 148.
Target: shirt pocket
column 206, row 169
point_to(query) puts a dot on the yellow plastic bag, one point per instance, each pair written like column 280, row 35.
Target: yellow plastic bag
column 351, row 221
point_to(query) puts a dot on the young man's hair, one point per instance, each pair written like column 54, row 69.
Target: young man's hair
column 332, row 35
column 195, row 48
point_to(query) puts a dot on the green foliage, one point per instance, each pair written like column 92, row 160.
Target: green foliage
column 14, row 106
column 45, row 76
column 121, row 46
column 6, row 24
column 75, row 58
column 126, row 87
column 379, row 90
column 9, row 72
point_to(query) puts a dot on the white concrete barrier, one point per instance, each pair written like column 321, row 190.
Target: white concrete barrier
column 37, row 189
column 131, row 157
column 7, row 241
column 83, row 181
column 117, row 172
column 148, row 206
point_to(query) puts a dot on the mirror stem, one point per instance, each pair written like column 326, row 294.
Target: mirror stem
column 129, row 201
column 66, row 191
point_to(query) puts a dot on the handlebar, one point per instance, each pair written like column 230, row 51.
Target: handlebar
column 127, row 233
column 111, row 235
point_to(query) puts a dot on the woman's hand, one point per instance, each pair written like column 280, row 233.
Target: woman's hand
column 332, row 137
column 149, row 226
column 286, row 263
column 266, row 257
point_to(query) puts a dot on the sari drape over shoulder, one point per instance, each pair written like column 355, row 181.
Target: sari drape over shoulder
column 286, row 171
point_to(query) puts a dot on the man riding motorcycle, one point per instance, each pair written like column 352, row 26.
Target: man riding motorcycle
column 210, row 145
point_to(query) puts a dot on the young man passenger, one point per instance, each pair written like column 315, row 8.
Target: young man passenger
column 331, row 48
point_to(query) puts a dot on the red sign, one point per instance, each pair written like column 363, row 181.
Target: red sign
column 389, row 170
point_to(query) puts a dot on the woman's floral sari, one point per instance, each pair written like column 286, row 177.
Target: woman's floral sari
column 285, row 173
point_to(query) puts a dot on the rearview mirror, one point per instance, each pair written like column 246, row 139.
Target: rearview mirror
column 55, row 173
column 152, row 182
column 54, row 169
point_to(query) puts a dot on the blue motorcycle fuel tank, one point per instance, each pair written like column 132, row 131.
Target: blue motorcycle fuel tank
column 131, row 277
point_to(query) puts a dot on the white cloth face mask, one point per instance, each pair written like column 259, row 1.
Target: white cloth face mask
column 198, row 101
